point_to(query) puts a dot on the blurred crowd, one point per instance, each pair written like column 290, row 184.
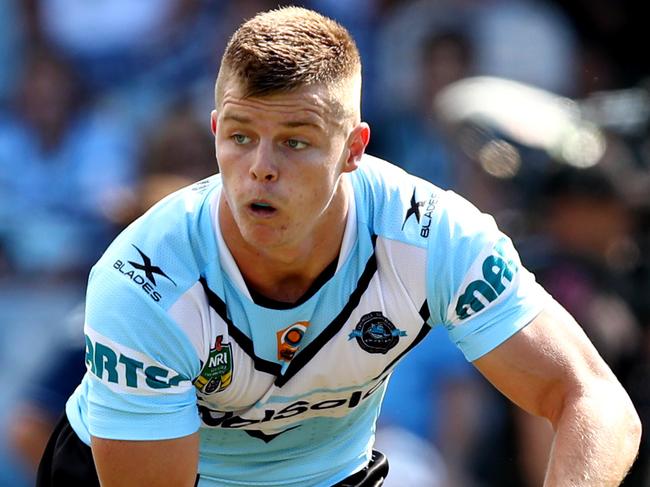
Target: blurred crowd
column 536, row 110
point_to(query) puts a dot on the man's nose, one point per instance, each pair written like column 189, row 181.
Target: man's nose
column 264, row 168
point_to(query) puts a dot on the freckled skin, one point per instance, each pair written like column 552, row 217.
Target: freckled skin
column 300, row 184
column 289, row 151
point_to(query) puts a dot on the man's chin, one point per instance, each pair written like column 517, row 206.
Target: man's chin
column 262, row 238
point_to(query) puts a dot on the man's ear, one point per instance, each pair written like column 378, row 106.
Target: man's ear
column 213, row 122
column 357, row 143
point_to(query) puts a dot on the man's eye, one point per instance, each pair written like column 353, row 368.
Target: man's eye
column 240, row 139
column 296, row 144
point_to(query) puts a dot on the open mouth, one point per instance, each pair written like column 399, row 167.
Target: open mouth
column 262, row 209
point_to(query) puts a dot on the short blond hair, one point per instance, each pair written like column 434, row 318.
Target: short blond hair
column 287, row 48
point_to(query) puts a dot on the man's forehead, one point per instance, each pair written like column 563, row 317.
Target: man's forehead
column 310, row 105
column 317, row 96
column 338, row 101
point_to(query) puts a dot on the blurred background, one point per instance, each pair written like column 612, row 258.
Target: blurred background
column 537, row 111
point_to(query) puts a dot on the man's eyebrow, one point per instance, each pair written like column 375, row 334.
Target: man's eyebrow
column 237, row 118
column 289, row 123
column 302, row 123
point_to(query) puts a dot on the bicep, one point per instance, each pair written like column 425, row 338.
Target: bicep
column 544, row 363
column 161, row 463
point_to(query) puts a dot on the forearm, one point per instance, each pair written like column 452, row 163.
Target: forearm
column 596, row 441
column 161, row 463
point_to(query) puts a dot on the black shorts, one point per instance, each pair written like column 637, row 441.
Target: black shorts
column 371, row 476
column 68, row 462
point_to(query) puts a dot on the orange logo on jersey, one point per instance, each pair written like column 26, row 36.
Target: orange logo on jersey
column 289, row 340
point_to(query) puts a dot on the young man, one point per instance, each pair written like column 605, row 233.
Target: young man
column 278, row 297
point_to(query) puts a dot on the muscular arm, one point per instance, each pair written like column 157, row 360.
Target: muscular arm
column 163, row 463
column 550, row 369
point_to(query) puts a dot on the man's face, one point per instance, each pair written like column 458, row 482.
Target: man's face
column 281, row 158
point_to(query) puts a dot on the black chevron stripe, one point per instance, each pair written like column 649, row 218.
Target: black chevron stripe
column 302, row 358
column 245, row 343
column 308, row 353
column 267, row 438
column 424, row 311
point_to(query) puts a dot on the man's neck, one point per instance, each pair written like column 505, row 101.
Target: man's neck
column 286, row 274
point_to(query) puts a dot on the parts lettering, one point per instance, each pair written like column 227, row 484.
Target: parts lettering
column 117, row 368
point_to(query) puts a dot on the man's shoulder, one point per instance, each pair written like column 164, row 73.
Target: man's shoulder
column 403, row 207
column 164, row 251
column 176, row 213
column 381, row 172
column 185, row 204
column 394, row 203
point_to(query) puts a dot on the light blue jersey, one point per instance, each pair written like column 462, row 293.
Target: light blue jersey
column 287, row 395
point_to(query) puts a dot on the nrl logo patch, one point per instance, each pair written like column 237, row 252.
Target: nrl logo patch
column 375, row 333
column 216, row 374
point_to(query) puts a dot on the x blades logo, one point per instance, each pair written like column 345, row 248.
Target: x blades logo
column 413, row 210
column 149, row 269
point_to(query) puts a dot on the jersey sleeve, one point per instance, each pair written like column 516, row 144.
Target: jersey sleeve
column 476, row 285
column 139, row 362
